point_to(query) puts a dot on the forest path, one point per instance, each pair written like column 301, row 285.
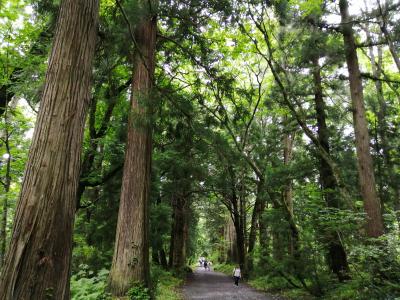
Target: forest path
column 203, row 284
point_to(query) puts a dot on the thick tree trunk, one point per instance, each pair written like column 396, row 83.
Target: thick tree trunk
column 239, row 221
column 131, row 253
column 257, row 211
column 230, row 239
column 38, row 261
column 240, row 244
column 179, row 233
column 337, row 258
column 374, row 222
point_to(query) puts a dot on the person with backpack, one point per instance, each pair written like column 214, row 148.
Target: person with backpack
column 236, row 275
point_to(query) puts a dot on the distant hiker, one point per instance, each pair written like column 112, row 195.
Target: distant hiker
column 200, row 262
column 236, row 275
column 205, row 264
column 209, row 265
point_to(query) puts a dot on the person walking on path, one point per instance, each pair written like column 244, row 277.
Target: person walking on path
column 205, row 263
column 236, row 275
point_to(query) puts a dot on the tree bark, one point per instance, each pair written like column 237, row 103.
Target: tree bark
column 38, row 261
column 179, row 233
column 374, row 222
column 131, row 253
column 240, row 243
column 239, row 221
column 288, row 140
column 337, row 258
column 264, row 238
column 257, row 211
column 241, row 232
column 230, row 238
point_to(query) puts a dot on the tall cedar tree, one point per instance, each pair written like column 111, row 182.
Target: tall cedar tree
column 337, row 257
column 374, row 224
column 37, row 265
column 131, row 253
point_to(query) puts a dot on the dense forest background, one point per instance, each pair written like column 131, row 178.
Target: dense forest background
column 250, row 132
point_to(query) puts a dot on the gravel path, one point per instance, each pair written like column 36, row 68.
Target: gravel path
column 203, row 284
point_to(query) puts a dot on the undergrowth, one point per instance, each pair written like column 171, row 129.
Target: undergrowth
column 88, row 285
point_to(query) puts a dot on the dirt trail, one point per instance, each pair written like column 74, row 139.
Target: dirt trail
column 214, row 285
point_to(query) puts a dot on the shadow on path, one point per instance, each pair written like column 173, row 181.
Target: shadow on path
column 203, row 284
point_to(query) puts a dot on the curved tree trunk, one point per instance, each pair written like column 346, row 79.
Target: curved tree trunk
column 374, row 222
column 38, row 261
column 131, row 253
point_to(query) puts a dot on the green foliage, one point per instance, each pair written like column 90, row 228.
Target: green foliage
column 138, row 292
column 219, row 121
column 87, row 285
column 309, row 7
column 165, row 284
column 224, row 268
column 269, row 283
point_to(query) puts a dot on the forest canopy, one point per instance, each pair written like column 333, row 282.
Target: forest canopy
column 138, row 136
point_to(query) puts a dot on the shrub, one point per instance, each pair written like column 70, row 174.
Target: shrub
column 138, row 292
column 85, row 285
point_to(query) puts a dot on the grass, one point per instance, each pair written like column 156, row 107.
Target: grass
column 278, row 286
column 275, row 285
column 168, row 286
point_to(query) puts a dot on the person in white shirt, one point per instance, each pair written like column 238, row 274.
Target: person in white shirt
column 236, row 275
